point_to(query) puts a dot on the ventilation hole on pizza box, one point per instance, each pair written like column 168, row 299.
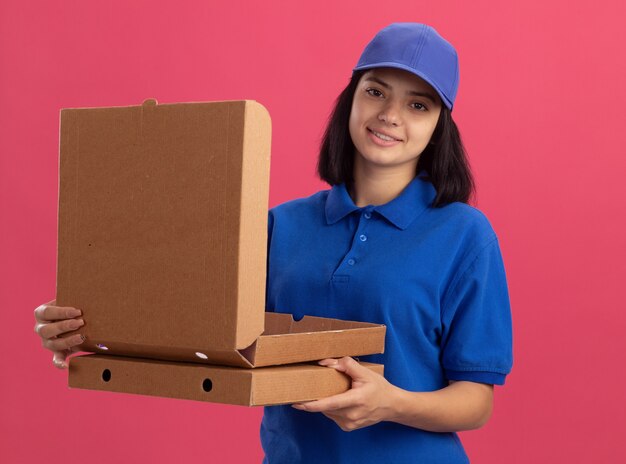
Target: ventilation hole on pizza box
column 207, row 385
column 102, row 347
column 201, row 355
column 106, row 375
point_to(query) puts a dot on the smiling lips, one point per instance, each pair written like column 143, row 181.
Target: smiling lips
column 382, row 139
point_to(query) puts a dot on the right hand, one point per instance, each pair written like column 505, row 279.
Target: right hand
column 52, row 321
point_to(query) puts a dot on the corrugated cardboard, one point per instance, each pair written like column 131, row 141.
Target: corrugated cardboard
column 163, row 238
column 230, row 385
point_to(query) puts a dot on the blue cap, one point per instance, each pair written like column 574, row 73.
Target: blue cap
column 418, row 49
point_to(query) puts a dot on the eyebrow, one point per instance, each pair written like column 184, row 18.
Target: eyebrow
column 411, row 92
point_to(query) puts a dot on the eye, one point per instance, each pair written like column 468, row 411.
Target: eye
column 418, row 106
column 374, row 92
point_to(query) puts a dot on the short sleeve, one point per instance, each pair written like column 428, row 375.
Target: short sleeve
column 476, row 316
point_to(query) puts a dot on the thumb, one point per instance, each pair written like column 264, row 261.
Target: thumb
column 348, row 366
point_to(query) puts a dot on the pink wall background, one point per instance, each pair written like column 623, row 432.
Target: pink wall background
column 540, row 107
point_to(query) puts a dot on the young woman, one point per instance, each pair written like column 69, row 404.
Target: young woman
column 393, row 242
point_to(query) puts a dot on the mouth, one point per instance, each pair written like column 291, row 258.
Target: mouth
column 383, row 136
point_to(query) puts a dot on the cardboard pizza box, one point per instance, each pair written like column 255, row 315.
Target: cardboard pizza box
column 263, row 386
column 163, row 239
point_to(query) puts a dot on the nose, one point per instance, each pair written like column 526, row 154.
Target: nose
column 390, row 113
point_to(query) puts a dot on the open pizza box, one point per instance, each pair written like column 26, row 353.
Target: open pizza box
column 162, row 244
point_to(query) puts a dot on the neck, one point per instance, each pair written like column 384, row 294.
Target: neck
column 376, row 185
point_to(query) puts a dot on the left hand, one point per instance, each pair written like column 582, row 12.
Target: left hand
column 368, row 402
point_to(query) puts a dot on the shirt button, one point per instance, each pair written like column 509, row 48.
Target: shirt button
column 367, row 215
column 351, row 262
column 363, row 238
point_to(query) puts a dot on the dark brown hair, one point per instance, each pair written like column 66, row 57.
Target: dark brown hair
column 444, row 158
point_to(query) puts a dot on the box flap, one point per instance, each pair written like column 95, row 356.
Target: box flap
column 163, row 223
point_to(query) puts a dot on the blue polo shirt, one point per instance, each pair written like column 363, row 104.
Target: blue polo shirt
column 433, row 276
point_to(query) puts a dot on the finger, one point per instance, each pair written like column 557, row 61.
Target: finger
column 62, row 344
column 59, row 359
column 47, row 313
column 332, row 403
column 54, row 329
column 328, row 362
column 348, row 366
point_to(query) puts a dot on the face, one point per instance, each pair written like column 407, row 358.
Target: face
column 394, row 114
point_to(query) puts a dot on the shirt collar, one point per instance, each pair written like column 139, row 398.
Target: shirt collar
column 401, row 211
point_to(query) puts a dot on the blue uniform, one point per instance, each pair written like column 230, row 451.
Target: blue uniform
column 433, row 276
